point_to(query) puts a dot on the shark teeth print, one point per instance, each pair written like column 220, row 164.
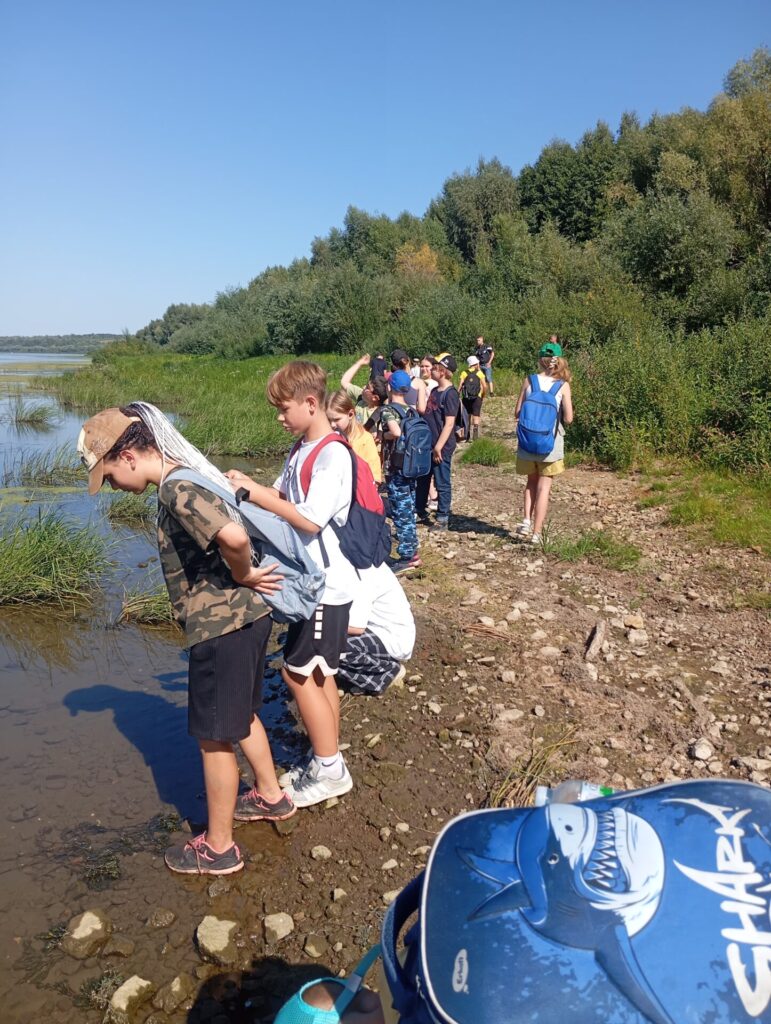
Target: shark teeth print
column 603, row 870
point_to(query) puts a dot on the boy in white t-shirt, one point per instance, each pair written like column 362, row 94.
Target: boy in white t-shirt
column 381, row 633
column 313, row 647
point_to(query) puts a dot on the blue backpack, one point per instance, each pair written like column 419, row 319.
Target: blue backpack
column 538, row 418
column 649, row 906
column 411, row 455
column 273, row 540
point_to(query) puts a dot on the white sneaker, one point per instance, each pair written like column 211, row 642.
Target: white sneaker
column 536, row 539
column 291, row 775
column 313, row 787
column 523, row 529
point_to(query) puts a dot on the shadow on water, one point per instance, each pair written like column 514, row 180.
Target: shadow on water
column 157, row 728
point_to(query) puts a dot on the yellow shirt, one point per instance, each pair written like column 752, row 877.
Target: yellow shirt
column 364, row 445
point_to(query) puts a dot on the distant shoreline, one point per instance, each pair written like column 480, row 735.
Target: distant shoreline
column 61, row 344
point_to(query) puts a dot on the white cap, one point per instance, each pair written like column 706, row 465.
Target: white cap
column 472, row 361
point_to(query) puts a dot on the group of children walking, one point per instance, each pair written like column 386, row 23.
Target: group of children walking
column 400, row 429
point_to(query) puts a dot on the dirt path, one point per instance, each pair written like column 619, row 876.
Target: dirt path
column 499, row 690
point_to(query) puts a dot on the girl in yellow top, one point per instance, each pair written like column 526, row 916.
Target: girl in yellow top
column 342, row 416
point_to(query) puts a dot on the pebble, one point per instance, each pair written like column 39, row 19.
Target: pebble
column 118, row 945
column 316, row 946
column 509, row 716
column 539, row 711
column 514, row 615
column 389, row 865
column 402, row 826
column 549, row 652
column 637, row 637
column 161, row 918
column 508, row 676
column 547, row 616
column 634, row 621
column 127, row 999
column 216, row 940
column 278, row 926
column 539, row 634
column 321, row 853
column 338, row 894
column 592, row 671
column 486, row 620
column 433, row 707
column 86, row 934
column 702, row 750
column 172, row 995
column 390, row 896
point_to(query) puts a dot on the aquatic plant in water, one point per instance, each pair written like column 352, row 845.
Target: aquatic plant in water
column 147, row 607
column 24, row 413
column 49, row 560
column 54, row 467
column 136, row 509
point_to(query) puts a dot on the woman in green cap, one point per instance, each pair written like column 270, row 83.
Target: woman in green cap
column 544, row 407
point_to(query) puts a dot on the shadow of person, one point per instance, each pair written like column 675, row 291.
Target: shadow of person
column 253, row 996
column 157, row 728
column 461, row 523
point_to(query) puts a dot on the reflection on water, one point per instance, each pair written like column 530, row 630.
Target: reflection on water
column 93, row 717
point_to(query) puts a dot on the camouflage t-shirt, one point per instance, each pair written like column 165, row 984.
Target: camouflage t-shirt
column 206, row 600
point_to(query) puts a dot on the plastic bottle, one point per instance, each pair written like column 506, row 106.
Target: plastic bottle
column 572, row 792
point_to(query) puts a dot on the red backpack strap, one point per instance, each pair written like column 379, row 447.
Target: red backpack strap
column 307, row 469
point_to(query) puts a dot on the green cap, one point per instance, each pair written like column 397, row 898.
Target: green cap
column 551, row 348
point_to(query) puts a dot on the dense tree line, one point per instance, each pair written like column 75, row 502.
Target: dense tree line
column 655, row 238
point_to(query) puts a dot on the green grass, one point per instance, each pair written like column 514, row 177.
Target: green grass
column 147, row 607
column 725, row 507
column 54, row 467
column 24, row 413
column 597, row 546
column 49, row 560
column 487, row 452
column 760, row 600
column 131, row 509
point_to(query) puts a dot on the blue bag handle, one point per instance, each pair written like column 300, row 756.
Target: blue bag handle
column 405, row 904
column 535, row 385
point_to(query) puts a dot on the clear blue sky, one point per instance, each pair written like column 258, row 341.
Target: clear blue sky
column 158, row 151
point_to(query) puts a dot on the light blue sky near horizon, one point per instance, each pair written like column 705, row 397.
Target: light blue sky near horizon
column 159, row 151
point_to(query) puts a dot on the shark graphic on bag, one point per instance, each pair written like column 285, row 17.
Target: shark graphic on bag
column 651, row 906
column 273, row 540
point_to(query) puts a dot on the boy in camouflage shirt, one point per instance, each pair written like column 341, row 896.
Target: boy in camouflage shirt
column 214, row 591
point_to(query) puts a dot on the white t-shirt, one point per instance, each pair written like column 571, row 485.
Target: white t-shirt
column 328, row 498
column 381, row 606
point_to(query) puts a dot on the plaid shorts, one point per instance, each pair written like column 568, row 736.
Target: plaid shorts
column 365, row 665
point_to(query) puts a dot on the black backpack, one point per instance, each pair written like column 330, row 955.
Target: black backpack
column 472, row 385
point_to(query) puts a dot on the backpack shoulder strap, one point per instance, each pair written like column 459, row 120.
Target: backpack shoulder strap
column 194, row 477
column 307, row 468
column 405, row 904
column 535, row 385
column 556, row 387
column 401, row 410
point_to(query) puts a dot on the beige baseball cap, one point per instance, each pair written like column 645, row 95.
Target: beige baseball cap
column 97, row 437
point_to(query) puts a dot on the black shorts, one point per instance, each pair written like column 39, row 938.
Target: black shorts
column 317, row 642
column 225, row 683
column 473, row 406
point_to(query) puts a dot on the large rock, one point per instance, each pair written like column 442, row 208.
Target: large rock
column 128, row 999
column 278, row 926
column 216, row 940
column 86, row 934
column 171, row 996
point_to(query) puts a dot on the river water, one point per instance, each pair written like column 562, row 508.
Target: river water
column 93, row 729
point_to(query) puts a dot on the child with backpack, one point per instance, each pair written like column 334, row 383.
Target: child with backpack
column 318, row 504
column 407, row 448
column 441, row 413
column 341, row 412
column 544, row 406
column 473, row 388
column 214, row 590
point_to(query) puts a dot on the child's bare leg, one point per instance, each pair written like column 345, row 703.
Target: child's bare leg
column 541, row 502
column 329, row 688
column 220, row 773
column 316, row 712
column 257, row 751
column 530, row 491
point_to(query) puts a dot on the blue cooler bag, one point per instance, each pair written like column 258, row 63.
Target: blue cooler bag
column 649, row 906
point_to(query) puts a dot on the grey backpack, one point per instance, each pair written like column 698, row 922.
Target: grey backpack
column 273, row 540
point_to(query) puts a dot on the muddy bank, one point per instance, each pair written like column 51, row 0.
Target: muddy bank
column 499, row 691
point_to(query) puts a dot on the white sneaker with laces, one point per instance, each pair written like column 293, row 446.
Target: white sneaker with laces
column 535, row 539
column 314, row 786
column 291, row 775
column 523, row 529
